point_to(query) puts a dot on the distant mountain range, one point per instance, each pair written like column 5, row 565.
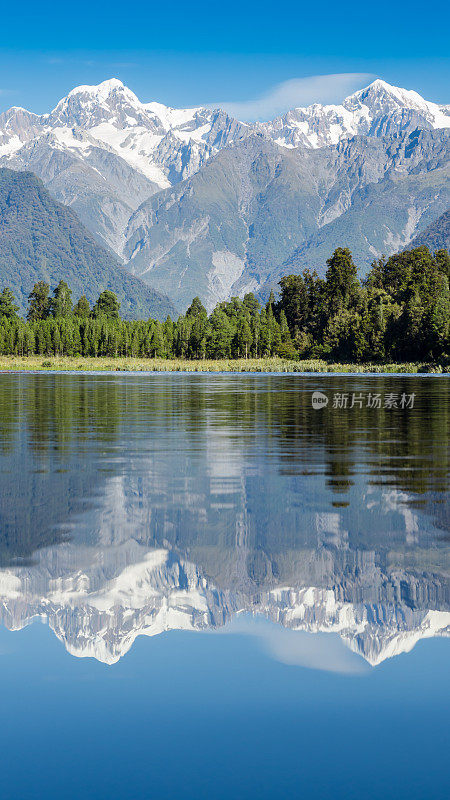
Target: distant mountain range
column 196, row 202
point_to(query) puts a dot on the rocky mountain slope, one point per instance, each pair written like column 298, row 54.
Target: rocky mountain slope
column 197, row 202
column 378, row 110
column 40, row 239
column 436, row 236
column 257, row 205
column 103, row 152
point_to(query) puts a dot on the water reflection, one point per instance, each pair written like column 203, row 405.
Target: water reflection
column 135, row 504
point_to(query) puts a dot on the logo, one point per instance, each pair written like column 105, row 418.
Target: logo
column 319, row 400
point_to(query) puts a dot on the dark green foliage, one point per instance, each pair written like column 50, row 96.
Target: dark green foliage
column 442, row 259
column 8, row 307
column 341, row 282
column 82, row 308
column 43, row 240
column 402, row 312
column 107, row 306
column 294, row 301
column 39, row 303
column 61, row 303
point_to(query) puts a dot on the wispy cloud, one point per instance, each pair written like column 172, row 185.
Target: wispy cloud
column 297, row 92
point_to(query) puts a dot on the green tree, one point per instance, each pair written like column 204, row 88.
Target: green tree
column 107, row 306
column 157, row 341
column 244, row 336
column 294, row 301
column 196, row 309
column 8, row 307
column 341, row 282
column 82, row 308
column 61, row 303
column 220, row 334
column 442, row 259
column 168, row 334
column 251, row 303
column 38, row 306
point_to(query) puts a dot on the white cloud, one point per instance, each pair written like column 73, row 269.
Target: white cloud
column 297, row 92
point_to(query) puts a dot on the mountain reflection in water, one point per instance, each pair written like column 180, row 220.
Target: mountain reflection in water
column 132, row 505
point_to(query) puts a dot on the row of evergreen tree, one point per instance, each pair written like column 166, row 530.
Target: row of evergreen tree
column 401, row 311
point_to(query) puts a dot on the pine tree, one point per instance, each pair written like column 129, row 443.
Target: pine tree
column 294, row 301
column 244, row 336
column 82, row 308
column 8, row 307
column 196, row 309
column 341, row 280
column 61, row 303
column 107, row 306
column 38, row 307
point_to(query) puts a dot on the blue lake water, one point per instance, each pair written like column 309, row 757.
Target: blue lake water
column 211, row 589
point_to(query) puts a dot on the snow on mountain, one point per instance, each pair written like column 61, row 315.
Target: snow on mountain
column 114, row 117
column 168, row 144
column 161, row 145
column 377, row 110
column 17, row 126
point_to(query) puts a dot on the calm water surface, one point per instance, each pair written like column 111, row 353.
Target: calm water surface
column 241, row 596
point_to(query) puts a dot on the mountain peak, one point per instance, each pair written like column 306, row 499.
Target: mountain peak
column 101, row 89
column 380, row 91
column 88, row 105
column 113, row 88
column 379, row 83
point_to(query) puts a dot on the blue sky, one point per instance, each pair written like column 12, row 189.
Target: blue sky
column 189, row 54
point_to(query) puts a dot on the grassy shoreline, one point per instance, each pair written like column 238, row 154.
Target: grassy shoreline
column 122, row 364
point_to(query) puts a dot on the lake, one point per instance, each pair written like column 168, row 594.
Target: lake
column 214, row 586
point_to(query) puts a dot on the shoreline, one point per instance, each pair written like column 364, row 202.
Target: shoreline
column 15, row 364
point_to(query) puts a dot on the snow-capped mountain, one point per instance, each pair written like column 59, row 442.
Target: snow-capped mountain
column 103, row 152
column 377, row 110
column 163, row 144
column 121, row 164
column 153, row 137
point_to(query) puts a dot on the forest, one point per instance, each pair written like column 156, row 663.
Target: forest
column 400, row 311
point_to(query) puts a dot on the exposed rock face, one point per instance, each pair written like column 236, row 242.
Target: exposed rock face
column 255, row 205
column 378, row 110
column 436, row 236
column 103, row 152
